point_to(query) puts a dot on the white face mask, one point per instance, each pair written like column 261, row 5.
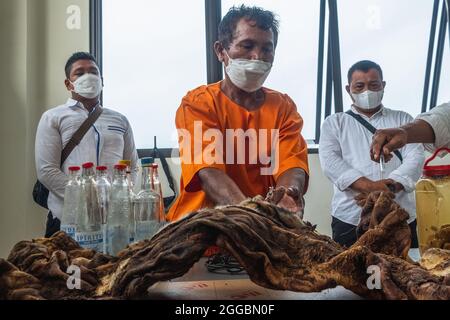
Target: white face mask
column 248, row 75
column 88, row 85
column 368, row 100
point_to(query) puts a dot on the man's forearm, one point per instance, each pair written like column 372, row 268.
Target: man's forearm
column 220, row 188
column 419, row 131
column 54, row 180
column 361, row 185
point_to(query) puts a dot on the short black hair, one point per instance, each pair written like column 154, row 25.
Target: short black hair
column 264, row 19
column 364, row 66
column 76, row 57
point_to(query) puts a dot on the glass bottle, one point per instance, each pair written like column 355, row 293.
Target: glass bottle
column 71, row 202
column 118, row 235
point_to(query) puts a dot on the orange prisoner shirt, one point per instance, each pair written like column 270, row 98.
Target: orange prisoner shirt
column 204, row 120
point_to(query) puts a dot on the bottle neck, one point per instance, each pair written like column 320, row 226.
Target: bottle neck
column 155, row 174
column 120, row 176
column 102, row 175
column 73, row 175
column 128, row 177
column 88, row 172
column 147, row 178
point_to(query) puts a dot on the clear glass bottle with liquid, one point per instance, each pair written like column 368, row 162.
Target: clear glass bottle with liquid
column 103, row 186
column 147, row 207
column 89, row 222
column 130, row 182
column 433, row 205
column 118, row 235
column 71, row 202
column 129, row 175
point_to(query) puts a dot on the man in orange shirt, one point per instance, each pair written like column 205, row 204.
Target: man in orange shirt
column 238, row 139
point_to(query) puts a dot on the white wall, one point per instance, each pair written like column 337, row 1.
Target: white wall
column 35, row 44
column 318, row 198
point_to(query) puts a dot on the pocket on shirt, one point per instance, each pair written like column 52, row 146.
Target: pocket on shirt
column 113, row 139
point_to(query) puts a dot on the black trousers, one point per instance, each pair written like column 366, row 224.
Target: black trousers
column 345, row 234
column 53, row 225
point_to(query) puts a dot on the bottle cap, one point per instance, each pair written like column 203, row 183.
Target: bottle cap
column 120, row 167
column 102, row 168
column 125, row 162
column 88, row 165
column 436, row 171
column 74, row 168
column 147, row 161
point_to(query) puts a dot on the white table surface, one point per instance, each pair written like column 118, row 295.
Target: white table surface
column 200, row 284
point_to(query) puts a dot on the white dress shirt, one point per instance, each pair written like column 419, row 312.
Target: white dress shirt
column 344, row 151
column 439, row 120
column 109, row 140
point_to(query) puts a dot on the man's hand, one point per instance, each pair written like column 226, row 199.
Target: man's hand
column 394, row 186
column 290, row 199
column 386, row 141
column 292, row 184
column 364, row 185
column 293, row 201
column 219, row 187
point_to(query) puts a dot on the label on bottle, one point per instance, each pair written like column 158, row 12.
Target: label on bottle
column 70, row 229
column 90, row 240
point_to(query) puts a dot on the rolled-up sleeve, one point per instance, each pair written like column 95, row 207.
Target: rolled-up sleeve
column 439, row 120
column 338, row 171
column 195, row 117
column 48, row 148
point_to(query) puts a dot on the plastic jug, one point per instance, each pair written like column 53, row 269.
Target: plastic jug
column 433, row 205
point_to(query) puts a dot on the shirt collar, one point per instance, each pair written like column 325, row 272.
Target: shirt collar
column 381, row 112
column 71, row 103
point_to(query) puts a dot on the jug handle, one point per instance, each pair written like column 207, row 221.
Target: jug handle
column 434, row 156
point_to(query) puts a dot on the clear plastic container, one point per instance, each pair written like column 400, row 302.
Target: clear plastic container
column 433, row 205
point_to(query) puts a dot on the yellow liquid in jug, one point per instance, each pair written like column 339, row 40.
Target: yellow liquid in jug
column 433, row 208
